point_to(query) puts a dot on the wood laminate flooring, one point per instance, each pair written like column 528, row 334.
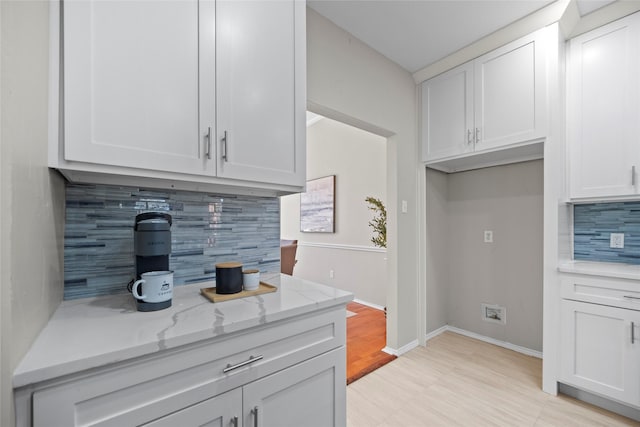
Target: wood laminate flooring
column 460, row 381
column 366, row 337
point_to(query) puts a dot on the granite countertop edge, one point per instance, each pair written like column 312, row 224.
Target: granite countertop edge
column 177, row 326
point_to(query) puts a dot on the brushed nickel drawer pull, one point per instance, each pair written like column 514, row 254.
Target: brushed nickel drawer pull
column 633, row 333
column 254, row 411
column 631, row 297
column 231, row 367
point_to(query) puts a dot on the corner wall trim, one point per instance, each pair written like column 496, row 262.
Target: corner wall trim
column 437, row 332
column 504, row 344
column 402, row 350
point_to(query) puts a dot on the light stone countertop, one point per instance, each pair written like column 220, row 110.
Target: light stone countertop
column 604, row 269
column 93, row 332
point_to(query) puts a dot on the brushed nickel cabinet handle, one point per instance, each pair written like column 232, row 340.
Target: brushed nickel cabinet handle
column 633, row 176
column 225, row 157
column 234, row 421
column 254, row 411
column 250, row 360
column 469, row 136
column 633, row 333
column 477, row 135
column 208, row 147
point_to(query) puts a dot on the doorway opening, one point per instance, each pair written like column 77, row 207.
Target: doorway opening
column 345, row 258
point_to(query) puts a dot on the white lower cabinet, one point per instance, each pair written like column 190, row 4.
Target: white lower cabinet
column 600, row 348
column 291, row 373
column 303, row 395
column 223, row 410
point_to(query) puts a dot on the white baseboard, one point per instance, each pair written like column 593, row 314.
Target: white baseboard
column 484, row 338
column 609, row 405
column 369, row 304
column 402, row 350
column 436, row 332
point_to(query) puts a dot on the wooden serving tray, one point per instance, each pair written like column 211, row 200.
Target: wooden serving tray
column 263, row 288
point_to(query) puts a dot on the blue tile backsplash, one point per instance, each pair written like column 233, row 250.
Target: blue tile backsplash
column 207, row 229
column 593, row 225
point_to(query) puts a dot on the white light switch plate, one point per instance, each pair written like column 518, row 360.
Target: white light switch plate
column 488, row 236
column 616, row 240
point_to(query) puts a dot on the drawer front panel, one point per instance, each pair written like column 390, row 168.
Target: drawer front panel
column 613, row 292
column 127, row 393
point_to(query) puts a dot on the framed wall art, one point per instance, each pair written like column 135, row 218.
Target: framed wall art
column 317, row 206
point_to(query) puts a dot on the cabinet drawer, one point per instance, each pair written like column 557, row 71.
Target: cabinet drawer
column 135, row 392
column 613, row 292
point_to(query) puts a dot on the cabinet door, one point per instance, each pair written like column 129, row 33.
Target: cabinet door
column 312, row 393
column 603, row 117
column 601, row 349
column 131, row 83
column 260, row 72
column 224, row 410
column 447, row 114
column 510, row 93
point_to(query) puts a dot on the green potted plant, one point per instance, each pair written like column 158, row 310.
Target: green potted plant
column 379, row 222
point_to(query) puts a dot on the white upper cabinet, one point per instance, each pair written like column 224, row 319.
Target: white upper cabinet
column 447, row 113
column 131, row 86
column 496, row 101
column 209, row 94
column 603, row 110
column 510, row 94
column 259, row 119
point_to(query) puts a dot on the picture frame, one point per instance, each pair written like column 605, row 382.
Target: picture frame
column 317, row 206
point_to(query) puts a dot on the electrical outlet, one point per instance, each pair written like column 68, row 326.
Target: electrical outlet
column 488, row 236
column 405, row 207
column 330, row 274
column 616, row 240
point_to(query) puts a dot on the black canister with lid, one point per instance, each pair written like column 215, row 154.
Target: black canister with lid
column 228, row 278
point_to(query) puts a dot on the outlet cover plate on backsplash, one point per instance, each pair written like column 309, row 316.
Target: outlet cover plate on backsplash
column 616, row 240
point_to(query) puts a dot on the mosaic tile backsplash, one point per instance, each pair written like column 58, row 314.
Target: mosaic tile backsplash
column 207, row 229
column 593, row 225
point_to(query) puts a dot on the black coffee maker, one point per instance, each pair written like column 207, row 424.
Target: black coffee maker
column 152, row 248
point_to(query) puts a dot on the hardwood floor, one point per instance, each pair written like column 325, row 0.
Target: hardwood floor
column 460, row 381
column 366, row 337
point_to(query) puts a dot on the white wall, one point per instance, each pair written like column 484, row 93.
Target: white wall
column 507, row 200
column 32, row 197
column 348, row 80
column 358, row 160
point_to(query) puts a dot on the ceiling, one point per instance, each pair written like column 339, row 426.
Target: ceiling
column 417, row 33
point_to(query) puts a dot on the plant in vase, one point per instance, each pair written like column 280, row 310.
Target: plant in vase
column 379, row 221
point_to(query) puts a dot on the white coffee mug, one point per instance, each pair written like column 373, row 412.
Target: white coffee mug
column 157, row 286
column 250, row 280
